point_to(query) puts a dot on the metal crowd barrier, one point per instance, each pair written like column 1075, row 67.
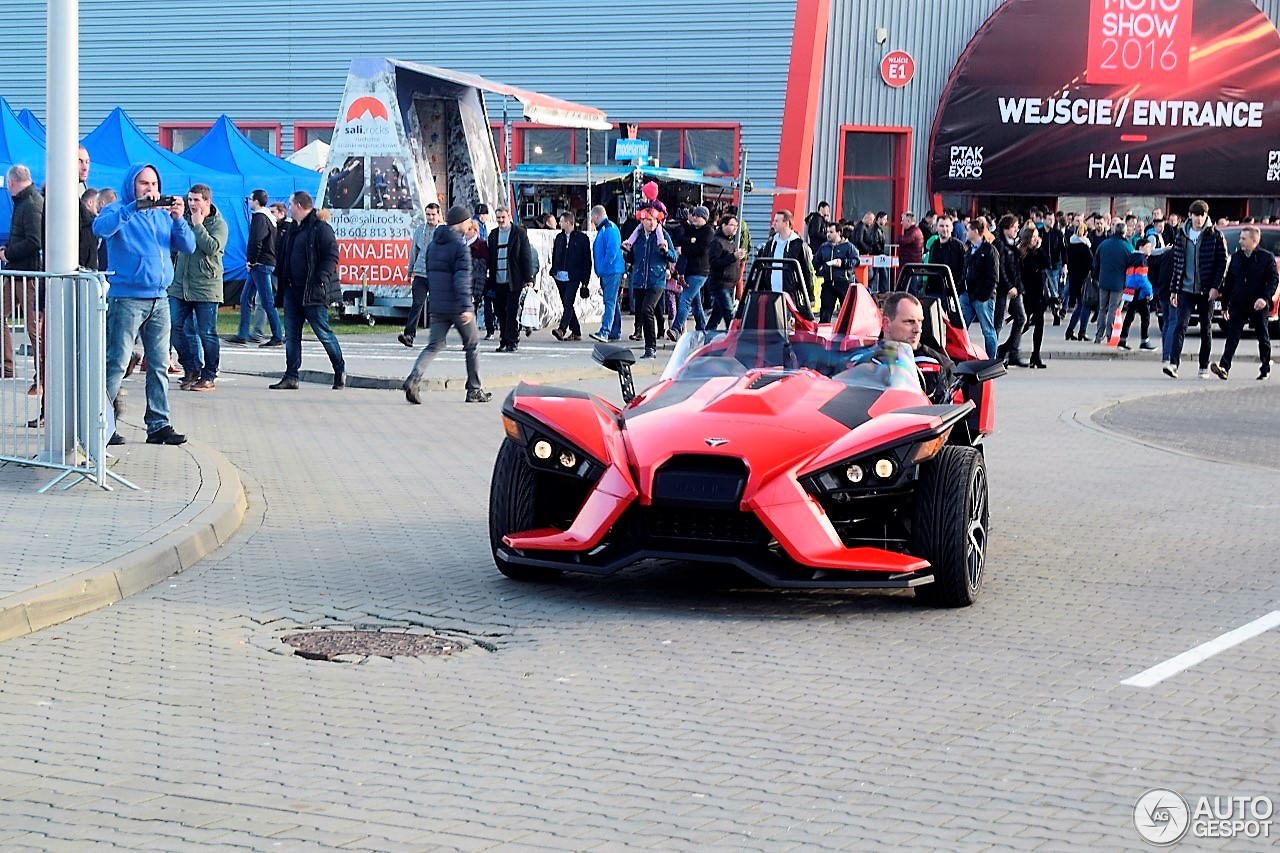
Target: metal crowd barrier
column 54, row 411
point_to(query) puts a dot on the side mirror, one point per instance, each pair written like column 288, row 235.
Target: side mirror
column 618, row 359
column 613, row 356
column 980, row 370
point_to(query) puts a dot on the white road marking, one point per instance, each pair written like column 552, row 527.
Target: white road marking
column 1204, row 651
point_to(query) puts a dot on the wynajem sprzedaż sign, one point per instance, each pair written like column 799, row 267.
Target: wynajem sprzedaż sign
column 1162, row 97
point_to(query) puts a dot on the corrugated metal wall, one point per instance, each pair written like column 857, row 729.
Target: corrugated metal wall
column 286, row 60
column 935, row 33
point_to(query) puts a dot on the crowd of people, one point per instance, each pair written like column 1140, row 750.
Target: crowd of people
column 166, row 256
column 1082, row 269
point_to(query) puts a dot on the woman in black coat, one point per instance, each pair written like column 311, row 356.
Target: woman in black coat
column 1079, row 267
column 1035, row 263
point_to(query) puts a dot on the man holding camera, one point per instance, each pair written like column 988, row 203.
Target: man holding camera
column 141, row 231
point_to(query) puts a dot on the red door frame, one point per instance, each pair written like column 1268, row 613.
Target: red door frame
column 901, row 176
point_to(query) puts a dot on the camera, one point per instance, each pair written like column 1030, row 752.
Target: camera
column 163, row 201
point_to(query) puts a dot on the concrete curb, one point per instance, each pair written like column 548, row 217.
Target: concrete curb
column 583, row 373
column 213, row 516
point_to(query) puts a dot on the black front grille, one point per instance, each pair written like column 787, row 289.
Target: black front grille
column 709, row 482
column 702, row 525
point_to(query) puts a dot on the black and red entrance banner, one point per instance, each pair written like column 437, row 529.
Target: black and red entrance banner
column 1101, row 97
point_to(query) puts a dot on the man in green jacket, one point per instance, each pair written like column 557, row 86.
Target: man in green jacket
column 196, row 293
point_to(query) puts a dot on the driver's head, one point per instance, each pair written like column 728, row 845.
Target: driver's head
column 903, row 319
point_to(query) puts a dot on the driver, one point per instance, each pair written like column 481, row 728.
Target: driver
column 903, row 321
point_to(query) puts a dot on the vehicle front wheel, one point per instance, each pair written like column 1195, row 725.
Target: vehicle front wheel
column 951, row 523
column 513, row 494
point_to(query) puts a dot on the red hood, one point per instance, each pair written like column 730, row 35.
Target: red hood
column 774, row 421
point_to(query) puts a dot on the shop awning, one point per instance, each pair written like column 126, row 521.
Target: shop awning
column 537, row 107
column 528, row 173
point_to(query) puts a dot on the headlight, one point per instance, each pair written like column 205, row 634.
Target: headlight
column 553, row 454
column 854, row 474
column 885, row 468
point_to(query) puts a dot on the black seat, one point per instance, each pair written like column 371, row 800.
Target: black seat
column 762, row 337
column 933, row 332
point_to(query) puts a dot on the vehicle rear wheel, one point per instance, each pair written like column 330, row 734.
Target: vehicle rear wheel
column 951, row 523
column 513, row 495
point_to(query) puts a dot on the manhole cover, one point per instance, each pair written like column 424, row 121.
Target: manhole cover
column 328, row 645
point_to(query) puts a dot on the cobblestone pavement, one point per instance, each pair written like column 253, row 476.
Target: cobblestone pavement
column 47, row 537
column 1234, row 422
column 670, row 707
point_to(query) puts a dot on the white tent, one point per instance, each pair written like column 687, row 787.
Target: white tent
column 311, row 156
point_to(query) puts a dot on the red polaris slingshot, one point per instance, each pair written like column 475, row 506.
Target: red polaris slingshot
column 808, row 456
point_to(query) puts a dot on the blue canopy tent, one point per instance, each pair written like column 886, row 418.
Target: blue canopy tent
column 17, row 145
column 31, row 123
column 225, row 148
column 118, row 143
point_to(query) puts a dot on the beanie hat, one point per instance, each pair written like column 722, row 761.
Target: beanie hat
column 458, row 214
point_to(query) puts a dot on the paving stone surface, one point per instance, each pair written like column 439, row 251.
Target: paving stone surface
column 669, row 707
column 49, row 536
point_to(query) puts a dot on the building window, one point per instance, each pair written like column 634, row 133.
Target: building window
column 874, row 171
column 547, row 146
column 179, row 136
column 306, row 132
column 714, row 151
column 265, row 135
column 713, row 148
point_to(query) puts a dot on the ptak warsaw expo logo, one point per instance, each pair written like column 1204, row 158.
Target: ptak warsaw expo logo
column 1162, row 817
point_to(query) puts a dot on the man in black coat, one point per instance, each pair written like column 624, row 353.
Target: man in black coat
column 571, row 268
column 948, row 251
column 452, row 305
column 23, row 252
column 308, row 267
column 981, row 279
column 1009, row 295
column 510, row 271
column 1249, row 291
column 260, row 260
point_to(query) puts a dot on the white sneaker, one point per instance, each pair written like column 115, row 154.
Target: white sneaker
column 1170, row 370
column 1204, row 374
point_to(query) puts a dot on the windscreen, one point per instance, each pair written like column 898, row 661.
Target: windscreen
column 699, row 356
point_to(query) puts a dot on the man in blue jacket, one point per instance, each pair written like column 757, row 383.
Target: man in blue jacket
column 140, row 238
column 653, row 250
column 452, row 305
column 610, row 265
column 1110, row 267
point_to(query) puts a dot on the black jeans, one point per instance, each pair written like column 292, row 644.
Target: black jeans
column 507, row 304
column 830, row 293
column 490, row 315
column 1235, row 328
column 415, row 311
column 569, row 317
column 1188, row 302
column 1013, row 306
column 1035, row 312
column 653, row 297
column 1142, row 308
